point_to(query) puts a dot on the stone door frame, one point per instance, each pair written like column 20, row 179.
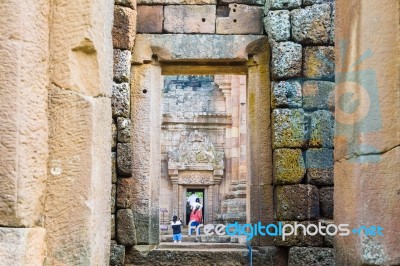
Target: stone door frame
column 156, row 55
column 182, row 200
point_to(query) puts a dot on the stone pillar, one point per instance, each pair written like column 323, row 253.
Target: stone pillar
column 79, row 187
column 24, row 65
column 210, row 209
column 367, row 187
column 235, row 145
column 243, row 131
column 23, row 95
column 175, row 196
column 181, row 202
column 224, row 83
column 259, row 159
column 146, row 152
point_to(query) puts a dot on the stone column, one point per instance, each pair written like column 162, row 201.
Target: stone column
column 218, row 174
column 224, row 83
column 79, row 188
column 175, row 193
column 210, row 203
column 146, row 150
column 243, row 131
column 181, row 201
column 235, row 107
column 24, row 65
column 367, row 152
column 259, row 159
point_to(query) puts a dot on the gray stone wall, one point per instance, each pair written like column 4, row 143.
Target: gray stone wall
column 302, row 69
column 123, row 232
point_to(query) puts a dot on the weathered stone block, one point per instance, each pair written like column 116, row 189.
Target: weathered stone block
column 79, row 183
column 117, row 254
column 113, row 233
column 124, row 29
column 80, row 46
column 288, row 128
column 297, row 202
column 328, row 239
column 318, row 95
column 286, row 60
column 24, row 72
column 113, row 195
column 244, row 2
column 189, row 18
column 319, row 164
column 22, row 246
column 146, row 152
column 126, row 233
column 332, row 32
column 322, row 129
column 122, row 65
column 114, row 167
column 150, row 19
column 286, row 94
column 313, row 2
column 113, row 135
column 120, row 100
column 223, row 11
column 177, row 2
column 124, row 129
column 311, row 25
column 243, row 19
column 319, row 62
column 186, row 46
column 289, row 167
column 311, row 256
column 127, row 3
column 300, row 239
column 125, row 192
column 326, row 202
column 282, row 4
column 277, row 25
column 124, row 162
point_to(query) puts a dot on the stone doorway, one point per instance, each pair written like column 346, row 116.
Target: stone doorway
column 204, row 143
column 200, row 193
column 156, row 56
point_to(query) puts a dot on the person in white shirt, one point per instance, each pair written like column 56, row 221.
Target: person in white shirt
column 197, row 205
column 192, row 200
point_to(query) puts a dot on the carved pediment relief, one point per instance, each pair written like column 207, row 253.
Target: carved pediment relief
column 196, row 151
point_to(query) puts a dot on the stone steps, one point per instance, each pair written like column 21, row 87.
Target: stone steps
column 202, row 254
column 203, row 246
column 206, row 239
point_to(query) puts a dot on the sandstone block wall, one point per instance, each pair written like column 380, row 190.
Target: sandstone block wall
column 198, row 16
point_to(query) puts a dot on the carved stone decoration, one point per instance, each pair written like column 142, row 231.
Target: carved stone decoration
column 196, row 152
column 195, row 179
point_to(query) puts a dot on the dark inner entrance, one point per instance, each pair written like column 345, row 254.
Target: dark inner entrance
column 200, row 194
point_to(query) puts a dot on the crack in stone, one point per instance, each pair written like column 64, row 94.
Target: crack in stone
column 356, row 155
column 100, row 95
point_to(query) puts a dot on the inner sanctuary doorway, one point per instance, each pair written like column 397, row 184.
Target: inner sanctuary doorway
column 204, row 146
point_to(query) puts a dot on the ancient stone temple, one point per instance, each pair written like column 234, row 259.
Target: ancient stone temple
column 278, row 112
column 204, row 144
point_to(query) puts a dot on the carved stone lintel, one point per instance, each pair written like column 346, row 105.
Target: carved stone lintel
column 196, row 152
